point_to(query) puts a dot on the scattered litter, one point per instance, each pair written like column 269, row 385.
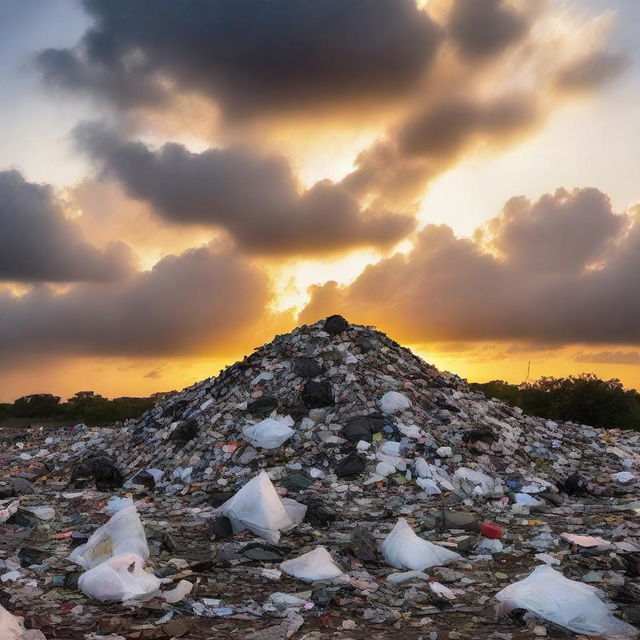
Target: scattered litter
column 258, row 507
column 123, row 533
column 315, row 565
column 403, row 549
column 584, row 541
column 119, row 579
column 268, row 434
column 570, row 604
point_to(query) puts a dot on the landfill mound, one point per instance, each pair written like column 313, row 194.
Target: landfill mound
column 326, row 383
column 330, row 485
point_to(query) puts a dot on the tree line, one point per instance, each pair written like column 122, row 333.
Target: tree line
column 84, row 406
column 585, row 399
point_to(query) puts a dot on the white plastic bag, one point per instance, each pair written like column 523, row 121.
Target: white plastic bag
column 315, row 565
column 403, row 549
column 434, row 473
column 122, row 534
column 268, row 434
column 393, row 402
column 11, row 627
column 118, row 579
column 258, row 507
column 570, row 604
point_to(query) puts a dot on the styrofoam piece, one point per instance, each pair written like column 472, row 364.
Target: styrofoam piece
column 393, row 402
column 574, row 605
column 315, row 565
column 258, row 508
column 268, row 434
column 403, row 549
column 118, row 579
column 123, row 533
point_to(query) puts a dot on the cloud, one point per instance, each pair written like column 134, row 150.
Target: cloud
column 202, row 300
column 395, row 169
column 610, row 357
column 38, row 243
column 251, row 57
column 574, row 279
column 591, row 70
column 255, row 198
column 481, row 28
column 503, row 70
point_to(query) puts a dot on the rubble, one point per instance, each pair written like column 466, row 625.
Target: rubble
column 225, row 515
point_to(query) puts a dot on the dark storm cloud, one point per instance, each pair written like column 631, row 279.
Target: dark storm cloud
column 433, row 138
column 591, row 71
column 38, row 243
column 255, row 198
column 201, row 299
column 445, row 128
column 576, row 281
column 250, row 56
column 481, row 28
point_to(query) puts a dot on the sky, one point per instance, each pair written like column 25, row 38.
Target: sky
column 181, row 181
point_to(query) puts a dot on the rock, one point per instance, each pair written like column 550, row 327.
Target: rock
column 335, row 324
column 350, row 466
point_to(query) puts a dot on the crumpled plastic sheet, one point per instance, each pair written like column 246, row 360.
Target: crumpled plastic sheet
column 315, row 565
column 123, row 533
column 403, row 549
column 258, row 507
column 568, row 603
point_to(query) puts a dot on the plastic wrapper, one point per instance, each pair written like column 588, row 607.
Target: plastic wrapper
column 123, row 533
column 268, row 434
column 403, row 549
column 315, row 565
column 258, row 508
column 574, row 605
column 119, row 579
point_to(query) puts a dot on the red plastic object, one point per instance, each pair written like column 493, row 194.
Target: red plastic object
column 491, row 530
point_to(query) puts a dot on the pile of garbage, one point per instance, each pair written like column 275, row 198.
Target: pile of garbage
column 331, row 483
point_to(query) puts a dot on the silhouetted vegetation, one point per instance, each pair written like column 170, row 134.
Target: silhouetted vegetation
column 85, row 406
column 585, row 399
